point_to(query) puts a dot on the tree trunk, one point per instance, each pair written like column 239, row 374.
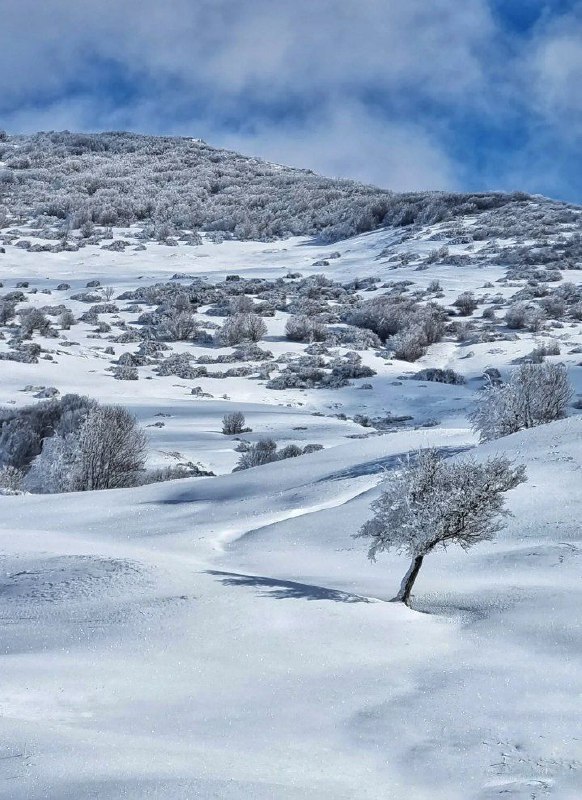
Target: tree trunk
column 403, row 595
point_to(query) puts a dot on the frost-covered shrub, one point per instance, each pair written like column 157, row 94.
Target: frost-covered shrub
column 466, row 304
column 23, row 354
column 351, row 367
column 307, row 372
column 90, row 317
column 11, row 478
column 7, row 311
column 242, row 304
column 492, row 376
column 151, row 347
column 409, row 345
column 312, row 448
column 86, row 297
column 178, row 326
column 105, row 308
column 438, row 375
column 554, row 306
column 233, row 423
column 251, row 352
column 125, row 373
column 358, row 338
column 111, row 450
column 173, row 473
column 304, row 329
column 242, row 328
column 523, row 315
column 31, row 320
column 263, row 452
column 66, row 320
column 101, row 447
column 22, row 431
column 289, row 451
column 179, row 364
column 534, row 395
column 412, row 327
column 129, row 336
column 544, row 349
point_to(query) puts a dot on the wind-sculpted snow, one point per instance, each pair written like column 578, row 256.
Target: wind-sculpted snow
column 276, row 670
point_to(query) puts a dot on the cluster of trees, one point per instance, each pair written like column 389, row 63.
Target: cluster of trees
column 535, row 394
column 431, row 503
column 70, row 444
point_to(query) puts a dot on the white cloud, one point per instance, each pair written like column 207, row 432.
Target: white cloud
column 261, row 47
column 342, row 141
column 350, row 142
column 554, row 64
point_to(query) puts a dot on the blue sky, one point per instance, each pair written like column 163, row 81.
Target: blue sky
column 406, row 94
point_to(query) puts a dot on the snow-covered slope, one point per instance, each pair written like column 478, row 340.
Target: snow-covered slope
column 226, row 637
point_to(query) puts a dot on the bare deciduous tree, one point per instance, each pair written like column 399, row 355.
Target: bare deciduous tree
column 433, row 503
column 112, row 449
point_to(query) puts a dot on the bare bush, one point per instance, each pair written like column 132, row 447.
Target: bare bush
column 242, row 328
column 233, row 423
column 66, row 320
column 466, row 304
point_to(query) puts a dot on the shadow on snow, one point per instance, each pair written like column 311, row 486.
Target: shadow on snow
column 287, row 590
column 386, row 464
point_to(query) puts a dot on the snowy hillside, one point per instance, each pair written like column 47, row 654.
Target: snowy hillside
column 223, row 635
column 174, row 187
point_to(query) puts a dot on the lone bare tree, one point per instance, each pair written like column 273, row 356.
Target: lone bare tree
column 432, row 503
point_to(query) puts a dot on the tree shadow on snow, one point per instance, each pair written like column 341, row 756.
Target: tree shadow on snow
column 286, row 590
column 386, row 464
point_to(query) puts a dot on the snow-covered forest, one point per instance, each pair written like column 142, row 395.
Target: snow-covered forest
column 244, row 407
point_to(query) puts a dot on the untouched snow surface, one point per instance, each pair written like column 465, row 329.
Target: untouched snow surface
column 227, row 638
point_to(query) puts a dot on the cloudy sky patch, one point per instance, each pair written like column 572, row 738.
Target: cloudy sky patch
column 406, row 94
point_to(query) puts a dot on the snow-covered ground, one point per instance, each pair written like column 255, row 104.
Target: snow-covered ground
column 226, row 637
